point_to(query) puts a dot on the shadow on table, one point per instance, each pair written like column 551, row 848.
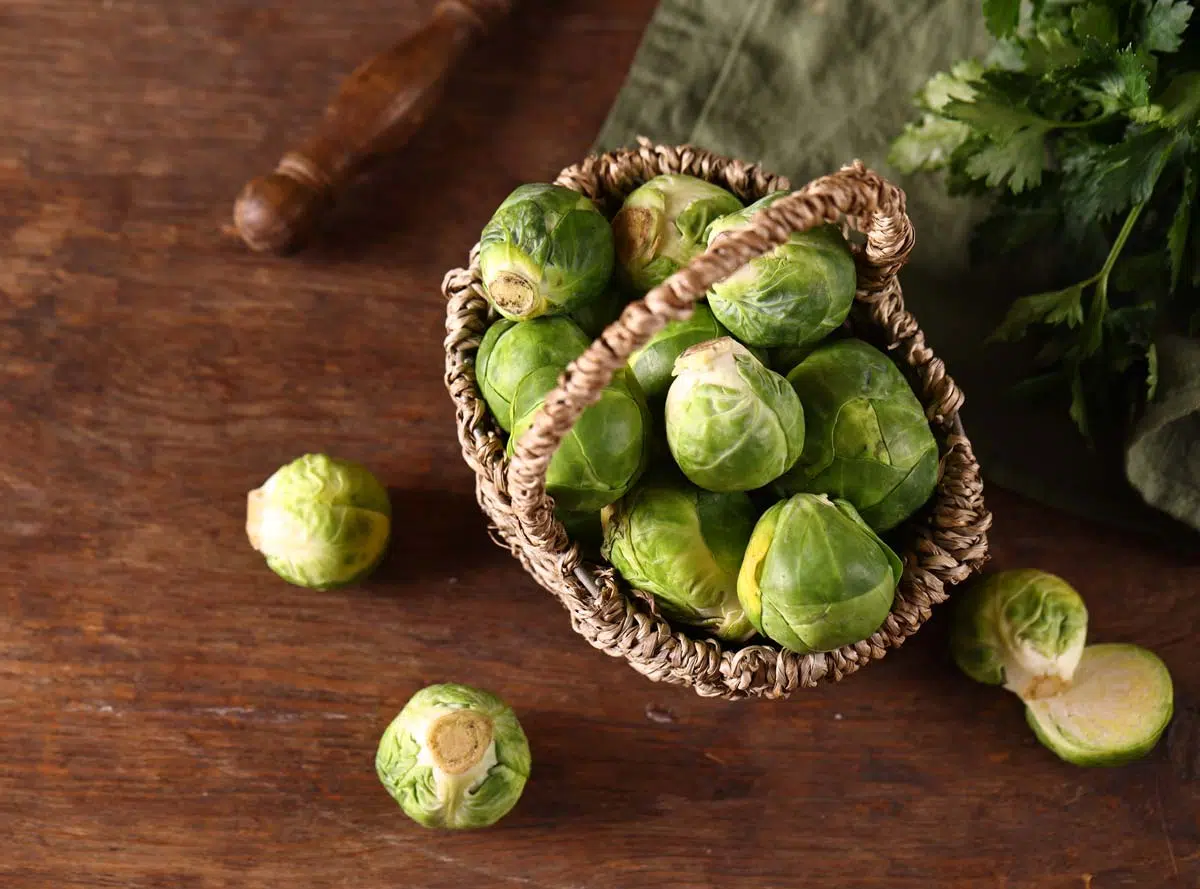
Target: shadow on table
column 436, row 535
column 588, row 772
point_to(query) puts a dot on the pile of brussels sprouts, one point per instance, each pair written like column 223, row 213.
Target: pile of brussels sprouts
column 744, row 465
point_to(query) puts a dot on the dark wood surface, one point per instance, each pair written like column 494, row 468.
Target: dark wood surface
column 173, row 715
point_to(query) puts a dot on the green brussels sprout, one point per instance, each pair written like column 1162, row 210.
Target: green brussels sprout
column 547, row 250
column 454, row 757
column 867, row 439
column 512, row 350
column 1023, row 629
column 1115, row 710
column 321, row 523
column 794, row 295
column 683, row 545
column 732, row 424
column 595, row 315
column 815, row 576
column 603, row 454
column 654, row 362
column 661, row 226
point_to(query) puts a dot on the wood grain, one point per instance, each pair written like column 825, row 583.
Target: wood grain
column 173, row 715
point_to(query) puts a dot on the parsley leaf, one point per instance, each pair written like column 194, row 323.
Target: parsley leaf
column 1094, row 22
column 1016, row 160
column 1102, row 180
column 1177, row 234
column 1053, row 307
column 927, row 145
column 1002, row 16
column 1165, row 22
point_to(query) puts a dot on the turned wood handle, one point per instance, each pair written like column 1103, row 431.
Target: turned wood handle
column 378, row 108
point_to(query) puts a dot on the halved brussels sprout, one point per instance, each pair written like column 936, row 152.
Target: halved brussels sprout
column 321, row 523
column 512, row 350
column 1024, row 629
column 815, row 576
column 654, row 363
column 603, row 454
column 794, row 295
column 661, row 226
column 867, row 439
column 684, row 546
column 732, row 424
column 454, row 757
column 547, row 250
column 1115, row 710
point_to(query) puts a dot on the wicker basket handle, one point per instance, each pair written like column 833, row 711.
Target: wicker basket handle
column 873, row 205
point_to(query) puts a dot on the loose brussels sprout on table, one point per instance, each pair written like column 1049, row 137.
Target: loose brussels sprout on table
column 1023, row 629
column 603, row 454
column 654, row 363
column 321, row 523
column 866, row 436
column 683, row 545
column 662, row 224
column 1114, row 711
column 454, row 757
column 815, row 576
column 547, row 250
column 795, row 295
column 512, row 350
column 732, row 424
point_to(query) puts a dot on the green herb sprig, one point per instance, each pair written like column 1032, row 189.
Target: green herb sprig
column 1081, row 125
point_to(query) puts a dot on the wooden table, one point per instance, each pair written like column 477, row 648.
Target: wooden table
column 173, row 715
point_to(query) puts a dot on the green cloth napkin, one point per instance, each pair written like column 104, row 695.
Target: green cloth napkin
column 803, row 87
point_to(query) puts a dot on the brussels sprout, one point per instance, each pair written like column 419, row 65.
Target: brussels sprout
column 603, row 454
column 321, row 523
column 653, row 363
column 815, row 576
column 661, row 226
column 512, row 350
column 596, row 314
column 732, row 424
column 454, row 757
column 1113, row 712
column 867, row 439
column 1023, row 629
column 547, row 250
column 794, row 295
column 684, row 546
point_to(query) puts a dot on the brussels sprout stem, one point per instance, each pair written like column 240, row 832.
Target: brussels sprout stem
column 1030, row 686
column 458, row 740
column 254, row 517
column 513, row 294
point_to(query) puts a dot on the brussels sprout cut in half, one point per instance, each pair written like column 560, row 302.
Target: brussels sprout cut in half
column 732, row 423
column 1113, row 712
column 866, row 437
column 794, row 295
column 654, row 362
column 662, row 224
column 684, row 546
column 512, row 350
column 454, row 757
column 1024, row 629
column 603, row 454
column 547, row 250
column 321, row 523
column 815, row 576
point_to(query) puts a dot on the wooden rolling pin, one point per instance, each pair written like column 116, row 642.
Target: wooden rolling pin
column 376, row 111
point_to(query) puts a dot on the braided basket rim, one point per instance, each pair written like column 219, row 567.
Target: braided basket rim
column 944, row 543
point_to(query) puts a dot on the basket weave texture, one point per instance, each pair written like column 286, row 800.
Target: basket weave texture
column 941, row 545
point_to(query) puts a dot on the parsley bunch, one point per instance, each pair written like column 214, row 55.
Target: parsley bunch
column 1081, row 124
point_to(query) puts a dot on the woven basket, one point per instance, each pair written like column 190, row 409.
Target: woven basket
column 941, row 545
